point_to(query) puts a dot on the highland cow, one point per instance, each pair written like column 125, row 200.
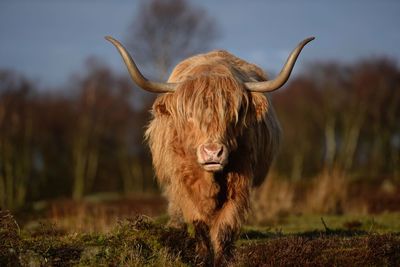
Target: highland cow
column 213, row 137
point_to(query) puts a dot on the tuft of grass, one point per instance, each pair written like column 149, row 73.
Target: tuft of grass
column 141, row 242
column 48, row 245
column 10, row 239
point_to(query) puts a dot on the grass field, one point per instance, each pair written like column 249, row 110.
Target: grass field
column 379, row 223
column 309, row 240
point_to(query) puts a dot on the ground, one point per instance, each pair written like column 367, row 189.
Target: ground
column 306, row 240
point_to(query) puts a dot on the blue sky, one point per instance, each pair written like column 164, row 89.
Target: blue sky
column 48, row 40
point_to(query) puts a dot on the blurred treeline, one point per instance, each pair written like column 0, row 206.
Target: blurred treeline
column 88, row 138
column 342, row 117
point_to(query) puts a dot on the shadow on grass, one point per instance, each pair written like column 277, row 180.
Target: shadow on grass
column 252, row 234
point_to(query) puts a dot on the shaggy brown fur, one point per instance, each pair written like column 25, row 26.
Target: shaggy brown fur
column 211, row 103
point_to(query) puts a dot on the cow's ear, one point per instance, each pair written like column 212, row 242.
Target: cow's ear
column 160, row 107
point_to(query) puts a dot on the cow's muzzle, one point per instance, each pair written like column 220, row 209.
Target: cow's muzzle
column 212, row 156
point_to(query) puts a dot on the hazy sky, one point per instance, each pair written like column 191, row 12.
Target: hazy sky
column 48, row 40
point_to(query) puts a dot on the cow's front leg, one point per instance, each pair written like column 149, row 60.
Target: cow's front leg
column 223, row 234
column 226, row 239
column 205, row 255
column 228, row 220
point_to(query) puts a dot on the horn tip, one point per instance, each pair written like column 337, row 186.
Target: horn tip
column 309, row 39
column 306, row 41
column 110, row 39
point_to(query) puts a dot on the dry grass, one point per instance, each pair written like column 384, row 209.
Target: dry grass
column 95, row 214
column 322, row 250
column 143, row 242
column 275, row 198
column 101, row 233
column 10, row 239
column 328, row 193
column 134, row 242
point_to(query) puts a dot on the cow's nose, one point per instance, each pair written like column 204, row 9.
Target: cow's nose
column 213, row 157
column 213, row 151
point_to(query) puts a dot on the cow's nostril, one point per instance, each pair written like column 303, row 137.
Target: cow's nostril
column 221, row 150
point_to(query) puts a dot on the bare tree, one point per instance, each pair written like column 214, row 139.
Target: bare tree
column 15, row 139
column 164, row 31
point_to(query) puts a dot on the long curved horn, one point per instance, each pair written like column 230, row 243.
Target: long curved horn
column 136, row 75
column 269, row 86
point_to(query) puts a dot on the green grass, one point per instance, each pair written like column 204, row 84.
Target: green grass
column 380, row 223
column 291, row 241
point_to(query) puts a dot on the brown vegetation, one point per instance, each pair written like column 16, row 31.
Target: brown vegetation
column 323, row 250
column 328, row 193
column 143, row 242
column 91, row 216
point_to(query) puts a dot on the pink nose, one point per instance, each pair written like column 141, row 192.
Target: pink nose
column 212, row 152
